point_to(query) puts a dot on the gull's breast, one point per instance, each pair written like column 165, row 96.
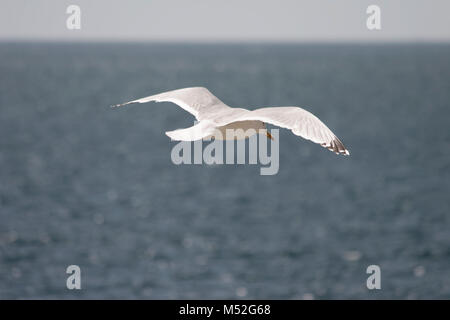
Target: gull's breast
column 239, row 130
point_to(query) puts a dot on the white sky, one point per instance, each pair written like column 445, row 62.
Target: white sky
column 225, row 20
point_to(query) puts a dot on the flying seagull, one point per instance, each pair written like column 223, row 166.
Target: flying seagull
column 213, row 114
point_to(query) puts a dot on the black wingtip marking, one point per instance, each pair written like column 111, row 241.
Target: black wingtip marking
column 337, row 147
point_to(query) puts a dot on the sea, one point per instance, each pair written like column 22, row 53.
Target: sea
column 87, row 185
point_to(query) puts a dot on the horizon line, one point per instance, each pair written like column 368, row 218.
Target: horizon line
column 223, row 41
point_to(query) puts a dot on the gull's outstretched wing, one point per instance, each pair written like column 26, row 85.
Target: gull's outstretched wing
column 198, row 101
column 301, row 122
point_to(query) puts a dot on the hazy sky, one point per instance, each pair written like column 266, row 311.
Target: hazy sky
column 226, row 20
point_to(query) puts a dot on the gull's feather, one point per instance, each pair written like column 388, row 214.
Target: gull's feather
column 301, row 122
column 198, row 101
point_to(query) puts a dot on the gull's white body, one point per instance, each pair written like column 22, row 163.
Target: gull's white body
column 213, row 114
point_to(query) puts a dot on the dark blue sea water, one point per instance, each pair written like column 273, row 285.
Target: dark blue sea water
column 84, row 184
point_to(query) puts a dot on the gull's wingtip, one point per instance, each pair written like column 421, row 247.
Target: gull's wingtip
column 343, row 152
column 337, row 147
column 117, row 105
column 123, row 104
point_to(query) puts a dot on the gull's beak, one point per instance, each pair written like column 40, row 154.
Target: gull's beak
column 269, row 135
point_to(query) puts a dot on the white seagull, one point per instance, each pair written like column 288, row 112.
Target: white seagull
column 213, row 114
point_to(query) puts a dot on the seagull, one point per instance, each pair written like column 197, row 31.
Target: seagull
column 212, row 114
